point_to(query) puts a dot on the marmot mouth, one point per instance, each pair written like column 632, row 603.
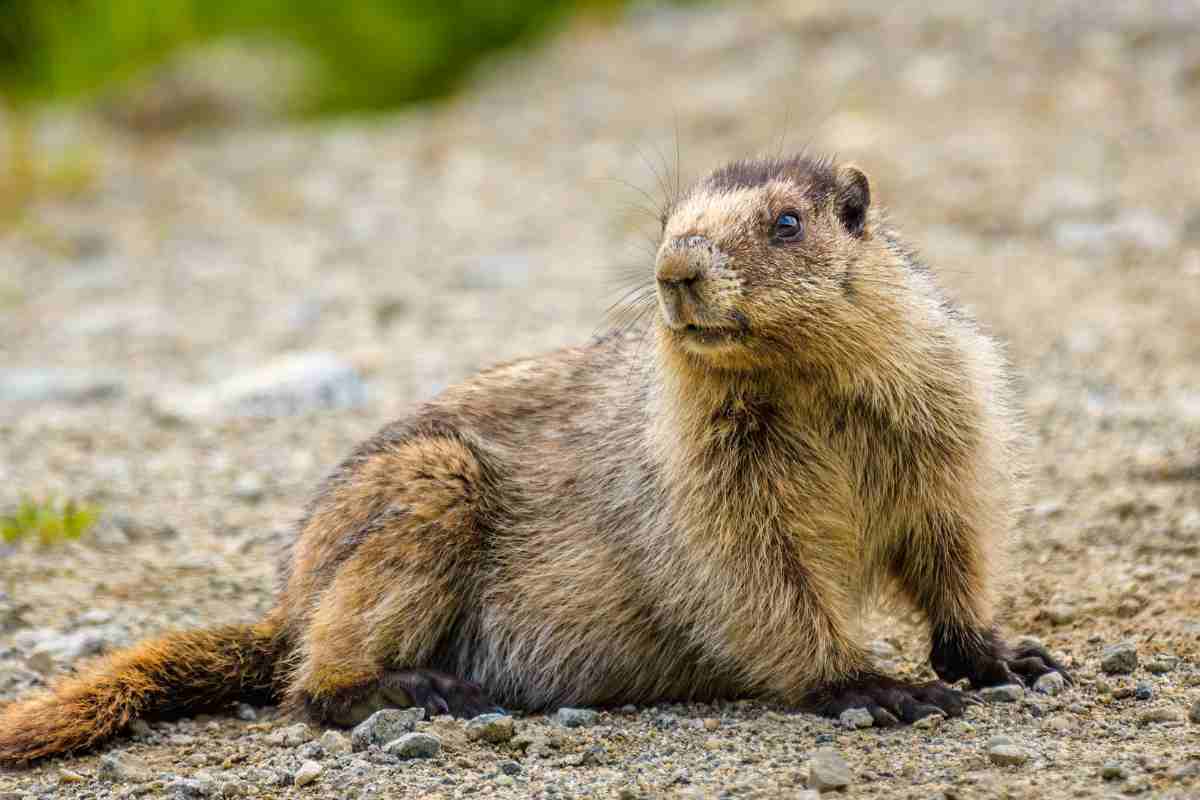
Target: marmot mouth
column 710, row 334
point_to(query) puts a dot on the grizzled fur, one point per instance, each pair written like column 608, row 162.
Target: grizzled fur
column 704, row 517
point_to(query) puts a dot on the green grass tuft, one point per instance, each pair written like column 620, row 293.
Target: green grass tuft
column 48, row 521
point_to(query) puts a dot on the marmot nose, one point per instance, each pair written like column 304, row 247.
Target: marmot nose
column 683, row 262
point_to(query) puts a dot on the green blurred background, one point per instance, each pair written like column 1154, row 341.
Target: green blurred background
column 328, row 58
column 368, row 54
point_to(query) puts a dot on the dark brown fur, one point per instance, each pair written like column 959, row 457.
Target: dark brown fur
column 704, row 516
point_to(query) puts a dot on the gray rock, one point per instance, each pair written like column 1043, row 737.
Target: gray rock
column 1052, row 683
column 1010, row 693
column 310, row 751
column 828, row 771
column 577, row 717
column 854, row 718
column 232, row 788
column 198, row 787
column 1162, row 665
column 1007, row 755
column 1138, row 229
column 293, row 384
column 122, row 769
column 414, row 745
column 510, row 767
column 1113, row 771
column 1119, row 659
column 1144, row 691
column 664, row 722
column 1059, row 723
column 246, row 712
column 385, row 726
column 291, row 736
column 28, row 386
column 309, row 771
column 335, row 743
column 930, row 722
column 493, row 728
column 49, row 649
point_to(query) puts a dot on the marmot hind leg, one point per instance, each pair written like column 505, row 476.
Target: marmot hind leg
column 889, row 700
column 435, row 691
column 373, row 632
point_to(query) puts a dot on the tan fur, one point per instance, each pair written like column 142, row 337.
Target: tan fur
column 634, row 521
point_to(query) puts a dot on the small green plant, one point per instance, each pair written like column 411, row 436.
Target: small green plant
column 48, row 521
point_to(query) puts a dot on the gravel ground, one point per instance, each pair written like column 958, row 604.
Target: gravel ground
column 193, row 344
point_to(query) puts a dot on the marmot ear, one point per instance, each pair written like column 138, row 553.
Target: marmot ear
column 853, row 198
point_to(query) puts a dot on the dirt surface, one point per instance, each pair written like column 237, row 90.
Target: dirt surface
column 1042, row 158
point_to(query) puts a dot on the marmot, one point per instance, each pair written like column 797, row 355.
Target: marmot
column 697, row 513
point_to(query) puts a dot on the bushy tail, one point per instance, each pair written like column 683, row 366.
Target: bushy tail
column 176, row 674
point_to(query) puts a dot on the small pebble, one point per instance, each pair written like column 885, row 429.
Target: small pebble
column 494, row 728
column 1059, row 723
column 1119, row 659
column 1052, row 683
column 122, row 769
column 1157, row 715
column 310, row 751
column 510, row 767
column 246, row 712
column 854, row 718
column 414, row 745
column 1113, row 771
column 70, row 776
column 828, row 771
column 335, row 743
column 1007, row 755
column 1194, row 714
column 929, row 723
column 577, row 717
column 711, row 724
column 1010, row 693
column 1161, row 665
column 384, row 726
column 291, row 736
column 1144, row 691
column 309, row 771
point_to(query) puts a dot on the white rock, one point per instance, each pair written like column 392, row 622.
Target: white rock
column 293, row 384
column 309, row 771
column 827, row 770
column 27, row 386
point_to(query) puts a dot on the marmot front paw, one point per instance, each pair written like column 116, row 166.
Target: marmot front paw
column 986, row 660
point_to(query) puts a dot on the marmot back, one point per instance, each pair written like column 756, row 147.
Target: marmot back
column 704, row 517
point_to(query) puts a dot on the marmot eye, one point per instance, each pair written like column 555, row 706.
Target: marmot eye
column 787, row 227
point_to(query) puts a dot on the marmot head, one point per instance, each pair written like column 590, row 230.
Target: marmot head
column 757, row 261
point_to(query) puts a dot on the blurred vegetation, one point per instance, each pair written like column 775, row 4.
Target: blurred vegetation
column 372, row 54
column 365, row 55
column 47, row 521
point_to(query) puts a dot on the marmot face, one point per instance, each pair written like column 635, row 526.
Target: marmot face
column 757, row 260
